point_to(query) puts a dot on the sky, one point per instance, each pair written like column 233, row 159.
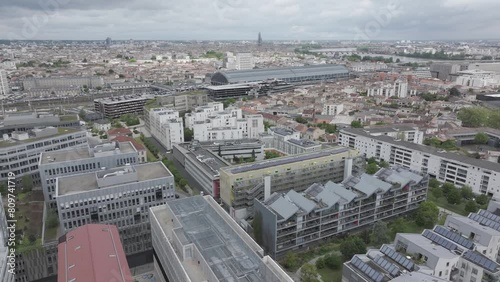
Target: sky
column 244, row 19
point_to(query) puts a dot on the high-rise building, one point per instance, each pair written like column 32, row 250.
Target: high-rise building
column 108, row 41
column 92, row 253
column 194, row 239
column 115, row 107
column 4, row 84
column 259, row 40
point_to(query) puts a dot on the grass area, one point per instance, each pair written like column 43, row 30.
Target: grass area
column 443, row 203
column 149, row 155
column 68, row 118
column 330, row 275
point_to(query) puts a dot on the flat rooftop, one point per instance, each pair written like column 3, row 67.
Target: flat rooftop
column 287, row 160
column 84, row 152
column 90, row 181
column 230, row 257
column 207, row 160
column 432, row 249
column 123, row 99
column 60, row 131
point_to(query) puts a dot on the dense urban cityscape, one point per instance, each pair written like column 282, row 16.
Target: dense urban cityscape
column 249, row 160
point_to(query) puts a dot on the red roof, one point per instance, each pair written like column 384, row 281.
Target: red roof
column 119, row 131
column 138, row 146
column 92, row 253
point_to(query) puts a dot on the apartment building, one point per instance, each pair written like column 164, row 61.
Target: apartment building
column 184, row 102
column 5, row 274
column 118, row 196
column 202, row 113
column 92, row 253
column 397, row 89
column 292, row 220
column 166, row 126
column 20, row 152
column 78, row 160
column 401, row 132
column 482, row 176
column 194, row 239
column 238, row 61
column 385, row 264
column 115, row 107
column 288, row 141
column 240, row 184
column 332, row 109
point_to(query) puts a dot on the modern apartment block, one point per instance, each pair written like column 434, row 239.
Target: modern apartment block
column 240, row 184
column 210, row 123
column 482, row 176
column 292, row 220
column 184, row 102
column 78, row 160
column 288, row 141
column 5, row 274
column 399, row 89
column 115, row 107
column 238, row 61
column 92, row 253
column 20, row 152
column 166, row 126
column 400, row 132
column 332, row 109
column 194, row 239
column 119, row 196
column 383, row 265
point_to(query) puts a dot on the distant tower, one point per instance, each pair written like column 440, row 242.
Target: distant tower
column 108, row 41
column 259, row 41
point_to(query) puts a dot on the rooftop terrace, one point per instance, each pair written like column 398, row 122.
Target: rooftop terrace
column 84, row 152
column 60, row 132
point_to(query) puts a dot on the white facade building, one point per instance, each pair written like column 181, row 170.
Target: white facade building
column 332, row 109
column 4, row 85
column 482, row 176
column 202, row 113
column 399, row 89
column 166, row 126
column 478, row 79
column 239, row 61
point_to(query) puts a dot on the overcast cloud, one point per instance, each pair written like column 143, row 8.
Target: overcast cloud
column 240, row 19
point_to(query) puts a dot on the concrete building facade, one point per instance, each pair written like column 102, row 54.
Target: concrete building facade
column 115, row 107
column 288, row 141
column 166, row 126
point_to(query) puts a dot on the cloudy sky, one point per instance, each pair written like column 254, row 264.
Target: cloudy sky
column 243, row 19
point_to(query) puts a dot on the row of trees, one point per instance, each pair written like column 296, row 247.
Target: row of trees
column 456, row 196
column 180, row 181
column 441, row 55
column 373, row 166
column 150, row 146
column 479, row 117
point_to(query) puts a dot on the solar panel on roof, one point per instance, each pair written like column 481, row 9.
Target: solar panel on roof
column 439, row 240
column 397, row 257
column 489, row 215
column 455, row 237
column 389, row 267
column 366, row 269
column 482, row 261
column 485, row 221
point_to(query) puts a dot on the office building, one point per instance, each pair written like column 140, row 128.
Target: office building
column 184, row 101
column 62, row 82
column 115, row 107
column 24, row 121
column 238, row 61
column 4, row 84
column 294, row 75
column 240, row 184
column 142, row 152
column 5, row 273
column 245, row 90
column 384, row 265
column 259, row 40
column 79, row 160
column 92, row 253
column 332, row 109
column 20, row 152
column 482, row 176
column 118, row 196
column 166, row 126
column 288, row 141
column 444, row 71
column 292, row 220
column 398, row 89
column 194, row 239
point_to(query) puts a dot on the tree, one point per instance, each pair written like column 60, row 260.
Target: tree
column 253, row 154
column 371, row 168
column 228, row 102
column 434, row 183
column 371, row 160
column 481, row 138
column 84, row 60
column 356, row 124
column 309, row 273
column 454, row 197
column 99, row 88
column 27, row 183
column 301, row 120
column 333, row 261
column 482, row 199
column 379, row 234
column 351, row 246
column 188, row 134
column 111, row 71
column 257, row 228
column 32, row 238
column 52, row 220
column 454, row 92
column 291, row 261
column 473, row 117
column 182, row 183
column 471, row 206
column 384, row 164
column 427, row 214
column 271, row 155
column 437, row 192
column 447, row 187
column 82, row 114
column 466, row 193
column 267, row 125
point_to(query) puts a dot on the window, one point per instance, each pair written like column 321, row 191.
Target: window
column 474, row 271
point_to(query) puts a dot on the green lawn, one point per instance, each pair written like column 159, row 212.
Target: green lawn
column 443, row 203
column 330, row 275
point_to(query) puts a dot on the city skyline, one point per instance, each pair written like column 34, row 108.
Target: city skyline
column 238, row 20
